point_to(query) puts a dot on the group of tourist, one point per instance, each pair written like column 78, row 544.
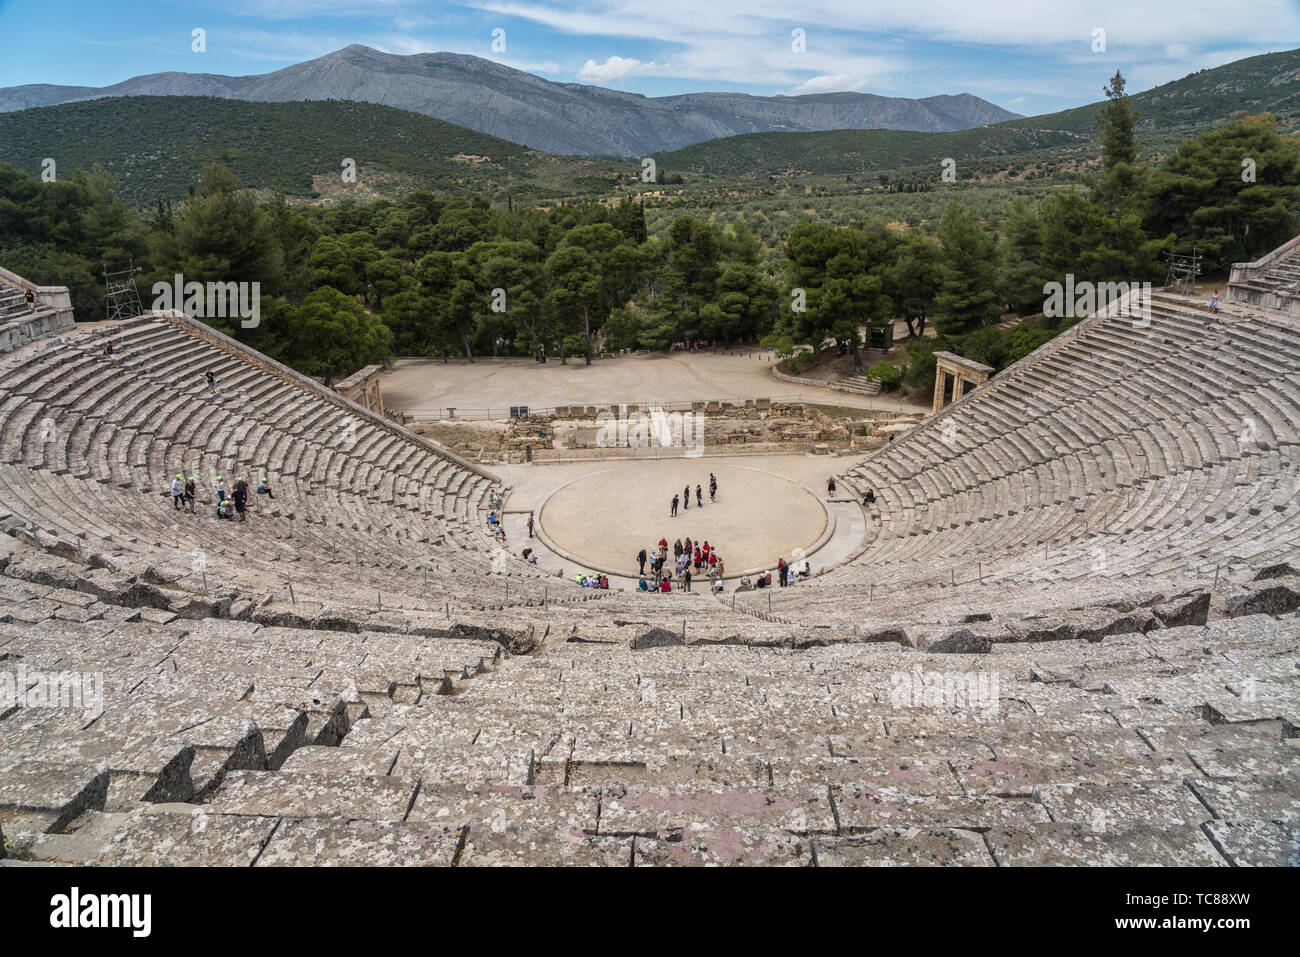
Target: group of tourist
column 232, row 504
column 699, row 496
column 690, row 560
column 496, row 523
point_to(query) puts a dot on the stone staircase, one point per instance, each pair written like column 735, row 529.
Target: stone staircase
column 1272, row 282
column 232, row 743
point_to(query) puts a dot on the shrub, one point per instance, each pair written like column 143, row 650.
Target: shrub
column 887, row 374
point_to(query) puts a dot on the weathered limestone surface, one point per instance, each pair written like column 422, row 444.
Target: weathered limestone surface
column 1073, row 844
column 1068, row 635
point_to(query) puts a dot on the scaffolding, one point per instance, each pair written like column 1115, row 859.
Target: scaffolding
column 1183, row 270
column 121, row 296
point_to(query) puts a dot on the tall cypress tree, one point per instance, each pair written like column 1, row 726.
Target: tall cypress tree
column 1115, row 122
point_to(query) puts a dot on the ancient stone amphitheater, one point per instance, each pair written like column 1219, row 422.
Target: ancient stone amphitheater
column 1070, row 638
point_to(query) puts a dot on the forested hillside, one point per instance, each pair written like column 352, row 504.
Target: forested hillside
column 429, row 274
column 156, row 147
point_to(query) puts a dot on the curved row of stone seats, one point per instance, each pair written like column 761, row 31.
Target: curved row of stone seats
column 1174, row 747
column 1274, row 280
column 1155, row 453
column 13, row 302
column 90, row 446
column 181, row 703
column 150, row 708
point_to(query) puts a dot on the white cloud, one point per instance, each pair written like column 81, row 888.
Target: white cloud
column 939, row 46
column 996, row 23
column 613, row 70
column 837, row 83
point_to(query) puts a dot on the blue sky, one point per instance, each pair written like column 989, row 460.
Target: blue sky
column 1028, row 56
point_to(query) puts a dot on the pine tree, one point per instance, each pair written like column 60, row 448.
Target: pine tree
column 1115, row 123
column 967, row 297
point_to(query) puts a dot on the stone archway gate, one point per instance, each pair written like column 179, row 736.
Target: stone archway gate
column 962, row 370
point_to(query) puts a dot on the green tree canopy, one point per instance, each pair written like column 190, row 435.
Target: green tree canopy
column 1233, row 192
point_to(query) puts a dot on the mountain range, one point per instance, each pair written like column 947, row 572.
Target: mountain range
column 561, row 118
column 1166, row 114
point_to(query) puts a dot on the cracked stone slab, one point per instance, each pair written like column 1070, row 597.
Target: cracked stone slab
column 1244, row 799
column 1270, row 597
column 313, row 795
column 143, row 754
column 636, row 811
column 362, row 762
column 1200, row 736
column 1257, row 843
column 1139, row 845
column 60, row 848
column 906, row 742
column 720, row 847
column 330, row 842
column 508, row 808
column 893, row 773
column 188, row 836
column 902, row 847
column 448, row 764
column 863, row 809
column 1267, row 701
column 61, row 791
column 485, row 847
column 1259, row 761
column 1021, row 775
column 1122, row 803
